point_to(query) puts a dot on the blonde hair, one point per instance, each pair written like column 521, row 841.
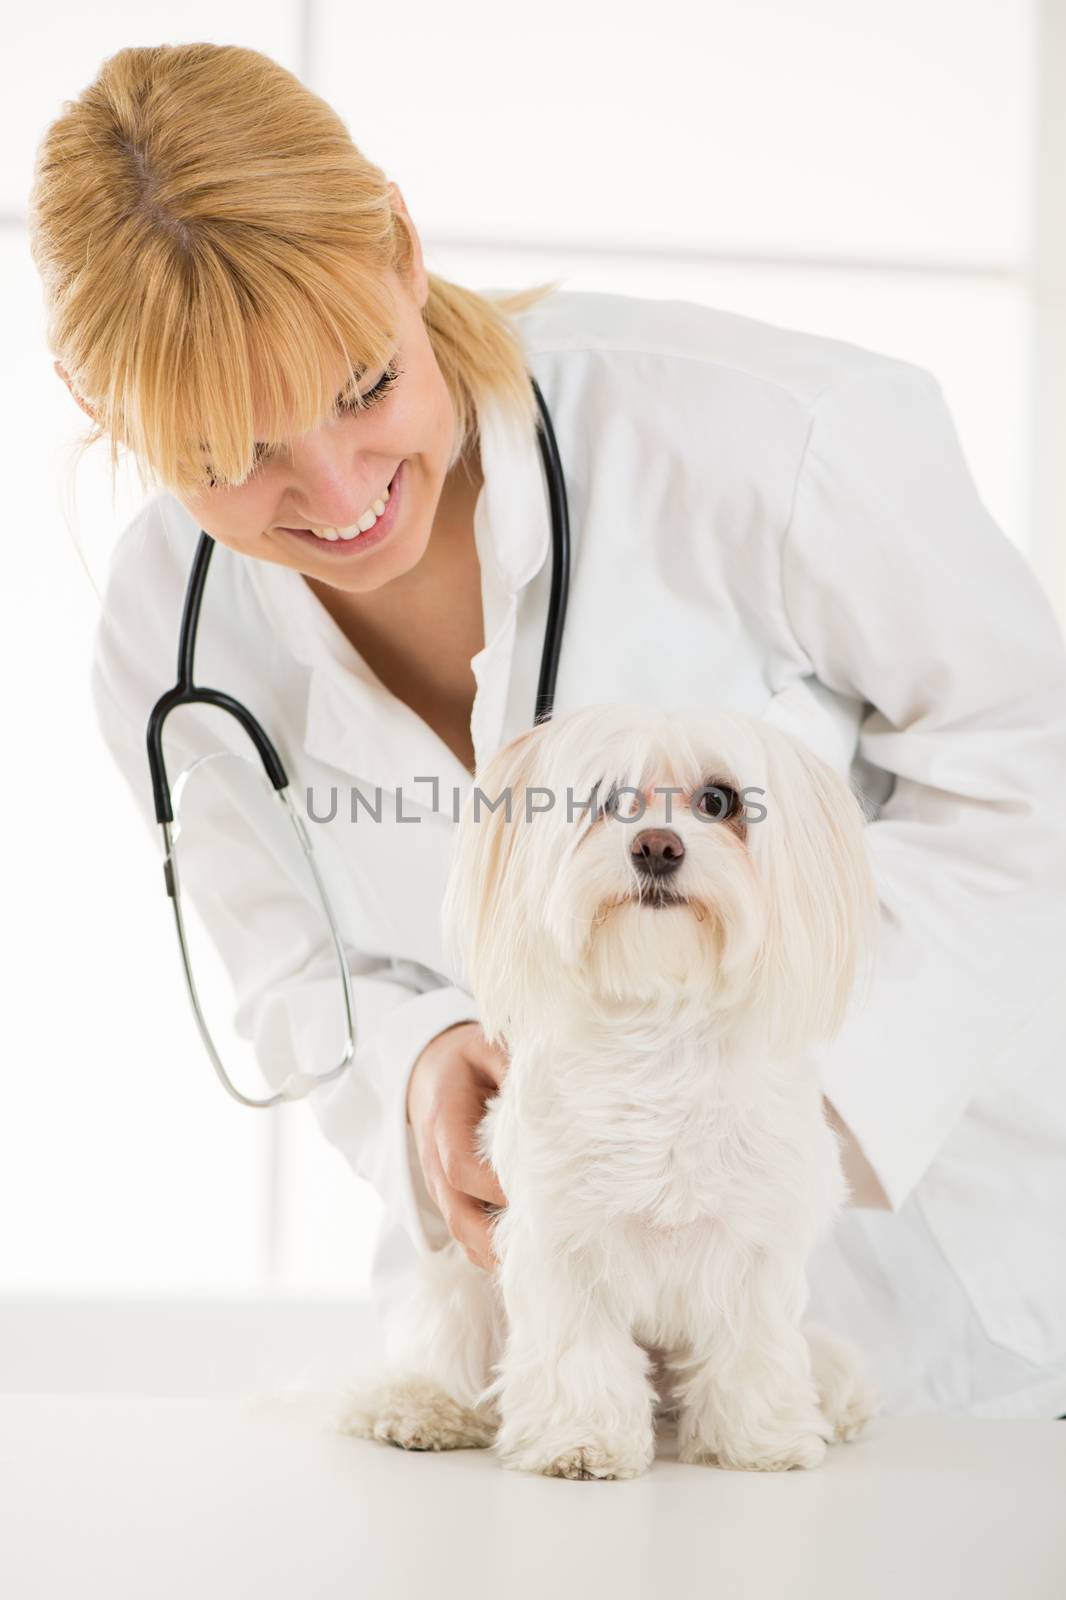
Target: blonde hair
column 206, row 231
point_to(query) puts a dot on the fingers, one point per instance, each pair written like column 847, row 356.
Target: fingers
column 465, row 1216
column 455, row 1138
column 489, row 1059
column 471, row 1226
column 449, row 1086
column 463, row 1170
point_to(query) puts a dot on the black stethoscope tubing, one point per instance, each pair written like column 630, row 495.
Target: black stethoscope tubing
column 186, row 692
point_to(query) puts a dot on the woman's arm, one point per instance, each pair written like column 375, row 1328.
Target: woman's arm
column 902, row 592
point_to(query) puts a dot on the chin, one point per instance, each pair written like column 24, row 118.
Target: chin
column 660, row 916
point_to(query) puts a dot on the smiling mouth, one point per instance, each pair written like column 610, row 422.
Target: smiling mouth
column 372, row 516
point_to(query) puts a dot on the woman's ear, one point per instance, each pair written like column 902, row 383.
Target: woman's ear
column 417, row 279
column 89, row 412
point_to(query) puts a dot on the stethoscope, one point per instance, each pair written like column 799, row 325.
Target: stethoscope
column 186, row 692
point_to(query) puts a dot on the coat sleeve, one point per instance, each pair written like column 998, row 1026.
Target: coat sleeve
column 287, row 991
column 902, row 592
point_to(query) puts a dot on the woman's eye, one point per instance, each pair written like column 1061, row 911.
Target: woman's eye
column 263, row 452
column 378, row 392
column 717, row 801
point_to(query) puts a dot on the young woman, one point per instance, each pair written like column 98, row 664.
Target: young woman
column 762, row 519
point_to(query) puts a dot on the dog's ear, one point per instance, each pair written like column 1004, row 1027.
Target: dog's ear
column 484, row 923
column 821, row 911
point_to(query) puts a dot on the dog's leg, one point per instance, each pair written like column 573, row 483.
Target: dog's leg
column 441, row 1342
column 572, row 1386
column 748, row 1397
column 846, row 1394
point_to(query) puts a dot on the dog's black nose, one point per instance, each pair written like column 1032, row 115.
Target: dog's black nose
column 657, row 852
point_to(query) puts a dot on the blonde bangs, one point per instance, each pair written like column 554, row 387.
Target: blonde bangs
column 263, row 358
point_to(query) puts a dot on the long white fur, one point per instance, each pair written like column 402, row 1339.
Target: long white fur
column 659, row 1134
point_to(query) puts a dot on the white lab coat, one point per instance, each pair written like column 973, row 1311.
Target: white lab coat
column 768, row 521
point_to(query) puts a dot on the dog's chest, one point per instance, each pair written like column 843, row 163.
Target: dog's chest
column 662, row 1142
column 656, row 1163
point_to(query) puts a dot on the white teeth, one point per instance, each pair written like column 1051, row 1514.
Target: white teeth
column 364, row 525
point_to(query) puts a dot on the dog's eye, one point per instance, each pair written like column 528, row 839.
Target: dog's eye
column 717, row 801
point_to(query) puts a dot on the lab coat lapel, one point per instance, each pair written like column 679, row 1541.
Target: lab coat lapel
column 512, row 530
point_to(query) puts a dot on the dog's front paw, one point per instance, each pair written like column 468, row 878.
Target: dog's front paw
column 416, row 1415
column 595, row 1454
column 849, row 1421
column 847, row 1397
column 766, row 1452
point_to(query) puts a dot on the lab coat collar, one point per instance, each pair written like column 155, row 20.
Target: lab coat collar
column 352, row 721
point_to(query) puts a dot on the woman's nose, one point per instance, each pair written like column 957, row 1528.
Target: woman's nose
column 332, row 484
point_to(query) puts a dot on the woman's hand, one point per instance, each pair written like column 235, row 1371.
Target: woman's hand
column 450, row 1082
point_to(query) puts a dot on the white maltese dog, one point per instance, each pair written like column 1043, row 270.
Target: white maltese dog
column 657, row 965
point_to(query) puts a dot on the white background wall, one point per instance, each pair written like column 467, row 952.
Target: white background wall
column 884, row 174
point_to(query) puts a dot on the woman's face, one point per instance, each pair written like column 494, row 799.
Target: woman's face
column 330, row 478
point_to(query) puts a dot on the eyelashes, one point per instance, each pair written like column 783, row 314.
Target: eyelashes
column 349, row 405
column 378, row 392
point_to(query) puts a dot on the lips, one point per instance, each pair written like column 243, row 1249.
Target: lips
column 386, row 491
column 335, row 550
